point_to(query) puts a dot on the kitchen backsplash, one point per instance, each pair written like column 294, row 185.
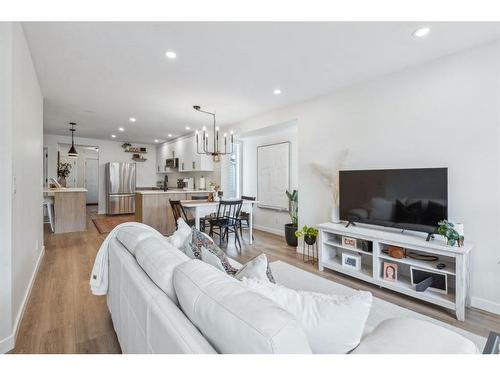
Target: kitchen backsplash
column 209, row 177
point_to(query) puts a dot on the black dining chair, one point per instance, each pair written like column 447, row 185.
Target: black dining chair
column 226, row 221
column 244, row 219
column 179, row 212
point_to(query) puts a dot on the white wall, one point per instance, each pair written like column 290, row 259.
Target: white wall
column 109, row 151
column 442, row 113
column 5, row 186
column 266, row 219
column 21, row 187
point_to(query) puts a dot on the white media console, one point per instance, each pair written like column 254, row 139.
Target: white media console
column 455, row 258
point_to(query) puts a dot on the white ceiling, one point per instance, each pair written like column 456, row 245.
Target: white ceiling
column 100, row 74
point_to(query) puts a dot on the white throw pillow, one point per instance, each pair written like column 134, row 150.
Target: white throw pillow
column 233, row 318
column 257, row 268
column 158, row 259
column 181, row 235
column 333, row 324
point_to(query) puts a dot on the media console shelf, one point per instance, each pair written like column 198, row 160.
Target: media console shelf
column 456, row 260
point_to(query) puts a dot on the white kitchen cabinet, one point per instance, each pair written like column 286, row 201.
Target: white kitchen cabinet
column 190, row 160
column 185, row 150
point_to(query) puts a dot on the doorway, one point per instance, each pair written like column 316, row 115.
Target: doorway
column 84, row 171
column 92, row 180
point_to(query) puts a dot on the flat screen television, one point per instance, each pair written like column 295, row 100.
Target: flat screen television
column 413, row 199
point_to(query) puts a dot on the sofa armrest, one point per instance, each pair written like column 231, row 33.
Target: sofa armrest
column 492, row 344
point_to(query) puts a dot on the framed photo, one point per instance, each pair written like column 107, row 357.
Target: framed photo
column 390, row 271
column 439, row 280
column 351, row 261
column 349, row 242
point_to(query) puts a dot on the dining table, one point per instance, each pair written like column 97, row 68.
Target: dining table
column 201, row 209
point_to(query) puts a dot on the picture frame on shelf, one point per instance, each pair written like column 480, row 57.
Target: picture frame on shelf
column 351, row 261
column 349, row 242
column 439, row 283
column 390, row 272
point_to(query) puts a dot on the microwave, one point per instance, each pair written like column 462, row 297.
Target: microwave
column 172, row 163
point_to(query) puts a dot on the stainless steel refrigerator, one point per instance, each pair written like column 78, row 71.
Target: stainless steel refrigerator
column 120, row 188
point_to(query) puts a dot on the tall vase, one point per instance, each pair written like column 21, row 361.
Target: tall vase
column 62, row 181
column 335, row 214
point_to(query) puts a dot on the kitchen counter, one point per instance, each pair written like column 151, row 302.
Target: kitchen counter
column 51, row 192
column 70, row 205
column 172, row 191
column 152, row 207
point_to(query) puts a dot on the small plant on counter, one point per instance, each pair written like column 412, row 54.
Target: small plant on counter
column 447, row 229
column 310, row 234
column 63, row 170
column 126, row 145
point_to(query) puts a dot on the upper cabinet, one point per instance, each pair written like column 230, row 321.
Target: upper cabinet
column 185, row 150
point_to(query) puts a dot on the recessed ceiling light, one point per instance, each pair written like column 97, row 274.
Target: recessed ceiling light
column 157, row 140
column 132, row 119
column 170, row 135
column 188, row 128
column 113, row 135
column 421, row 32
column 277, row 91
column 121, row 129
column 171, row 54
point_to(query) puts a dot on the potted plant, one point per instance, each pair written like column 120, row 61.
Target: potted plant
column 63, row 171
column 126, row 145
column 291, row 228
column 310, row 234
column 447, row 229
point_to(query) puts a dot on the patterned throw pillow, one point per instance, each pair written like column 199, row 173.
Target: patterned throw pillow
column 200, row 240
column 217, row 258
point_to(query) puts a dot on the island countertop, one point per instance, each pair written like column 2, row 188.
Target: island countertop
column 51, row 192
column 171, row 191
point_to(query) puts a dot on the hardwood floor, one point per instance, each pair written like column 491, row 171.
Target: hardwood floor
column 62, row 316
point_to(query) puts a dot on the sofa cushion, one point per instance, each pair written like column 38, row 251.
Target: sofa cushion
column 158, row 259
column 333, row 324
column 233, row 318
column 130, row 237
column 256, row 268
column 414, row 336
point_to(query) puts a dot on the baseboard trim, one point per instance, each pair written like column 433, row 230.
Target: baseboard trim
column 483, row 304
column 7, row 344
column 26, row 298
column 270, row 230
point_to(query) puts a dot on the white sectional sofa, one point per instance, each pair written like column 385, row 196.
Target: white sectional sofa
column 225, row 317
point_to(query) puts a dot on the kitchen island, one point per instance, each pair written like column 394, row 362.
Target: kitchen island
column 152, row 207
column 70, row 209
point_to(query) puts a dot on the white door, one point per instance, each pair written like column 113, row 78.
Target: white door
column 91, row 180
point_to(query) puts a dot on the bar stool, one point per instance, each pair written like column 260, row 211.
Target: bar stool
column 48, row 203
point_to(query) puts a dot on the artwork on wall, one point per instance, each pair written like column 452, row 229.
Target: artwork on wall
column 273, row 175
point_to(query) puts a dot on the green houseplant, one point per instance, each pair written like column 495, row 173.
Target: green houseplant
column 63, row 171
column 293, row 207
column 447, row 229
column 310, row 234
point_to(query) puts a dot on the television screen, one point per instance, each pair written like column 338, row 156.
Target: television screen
column 413, row 199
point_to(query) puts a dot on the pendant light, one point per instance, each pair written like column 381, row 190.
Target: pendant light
column 72, row 151
column 215, row 152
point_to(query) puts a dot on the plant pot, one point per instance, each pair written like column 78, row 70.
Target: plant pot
column 62, row 181
column 310, row 240
column 290, row 230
